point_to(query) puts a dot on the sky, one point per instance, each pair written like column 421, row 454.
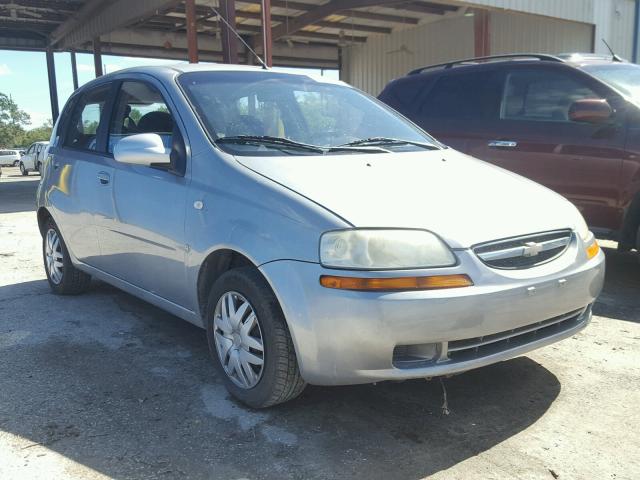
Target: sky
column 23, row 75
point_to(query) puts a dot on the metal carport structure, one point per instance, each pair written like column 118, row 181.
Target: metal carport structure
column 298, row 33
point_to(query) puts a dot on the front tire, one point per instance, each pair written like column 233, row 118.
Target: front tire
column 23, row 170
column 63, row 277
column 249, row 341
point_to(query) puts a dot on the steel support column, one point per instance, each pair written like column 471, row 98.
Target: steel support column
column 229, row 39
column 192, row 30
column 481, row 32
column 97, row 56
column 74, row 69
column 53, row 85
column 266, row 32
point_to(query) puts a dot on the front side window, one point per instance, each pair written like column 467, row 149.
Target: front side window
column 296, row 113
column 541, row 95
column 464, row 96
column 85, row 120
column 31, row 148
column 140, row 109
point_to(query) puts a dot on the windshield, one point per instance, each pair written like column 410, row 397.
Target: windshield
column 624, row 77
column 268, row 113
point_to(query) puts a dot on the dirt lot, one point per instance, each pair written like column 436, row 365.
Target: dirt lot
column 106, row 386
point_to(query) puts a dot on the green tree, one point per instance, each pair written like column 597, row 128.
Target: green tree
column 12, row 121
column 39, row 134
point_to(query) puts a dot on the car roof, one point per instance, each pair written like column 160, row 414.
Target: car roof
column 576, row 60
column 164, row 71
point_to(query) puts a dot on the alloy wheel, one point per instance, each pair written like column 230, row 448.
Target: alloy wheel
column 238, row 340
column 53, row 256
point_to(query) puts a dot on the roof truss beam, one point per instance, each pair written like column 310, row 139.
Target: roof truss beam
column 96, row 19
column 322, row 11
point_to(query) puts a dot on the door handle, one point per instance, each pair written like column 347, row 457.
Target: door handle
column 104, row 178
column 502, row 144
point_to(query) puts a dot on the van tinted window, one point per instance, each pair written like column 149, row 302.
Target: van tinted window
column 541, row 95
column 474, row 95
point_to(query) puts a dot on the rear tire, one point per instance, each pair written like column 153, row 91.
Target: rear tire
column 279, row 377
column 23, row 170
column 63, row 277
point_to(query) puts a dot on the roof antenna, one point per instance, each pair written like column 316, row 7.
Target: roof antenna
column 264, row 65
column 614, row 56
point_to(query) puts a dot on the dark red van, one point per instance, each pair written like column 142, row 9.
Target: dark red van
column 570, row 122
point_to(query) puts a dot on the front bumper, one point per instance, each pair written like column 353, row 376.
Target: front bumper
column 347, row 337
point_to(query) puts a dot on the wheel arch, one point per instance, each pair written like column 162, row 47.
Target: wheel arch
column 214, row 265
column 629, row 233
column 43, row 216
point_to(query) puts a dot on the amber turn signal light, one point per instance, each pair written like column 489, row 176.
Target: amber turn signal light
column 433, row 282
column 592, row 250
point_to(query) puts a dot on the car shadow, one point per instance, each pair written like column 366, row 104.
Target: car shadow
column 18, row 195
column 620, row 298
column 128, row 390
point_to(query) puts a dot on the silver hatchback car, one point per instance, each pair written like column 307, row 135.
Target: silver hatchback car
column 318, row 236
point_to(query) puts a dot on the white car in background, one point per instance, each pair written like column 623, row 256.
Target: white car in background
column 33, row 159
column 9, row 158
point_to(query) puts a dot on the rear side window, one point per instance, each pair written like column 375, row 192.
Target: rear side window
column 465, row 96
column 84, row 123
column 140, row 109
column 541, row 95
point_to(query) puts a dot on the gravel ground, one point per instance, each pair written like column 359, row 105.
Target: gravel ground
column 104, row 385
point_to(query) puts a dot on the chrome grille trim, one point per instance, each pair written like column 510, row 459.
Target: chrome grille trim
column 524, row 251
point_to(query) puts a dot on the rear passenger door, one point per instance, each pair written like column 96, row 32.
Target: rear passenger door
column 81, row 188
column 535, row 138
column 144, row 244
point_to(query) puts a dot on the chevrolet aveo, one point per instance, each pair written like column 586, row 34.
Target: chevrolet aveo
column 318, row 236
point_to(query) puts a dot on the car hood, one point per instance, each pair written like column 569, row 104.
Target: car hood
column 464, row 200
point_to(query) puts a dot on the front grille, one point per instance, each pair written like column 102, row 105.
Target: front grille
column 525, row 251
column 473, row 348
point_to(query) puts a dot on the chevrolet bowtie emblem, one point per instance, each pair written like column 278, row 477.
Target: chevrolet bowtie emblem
column 531, row 249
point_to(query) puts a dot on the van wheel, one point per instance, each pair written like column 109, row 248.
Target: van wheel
column 249, row 340
column 63, row 277
column 23, row 170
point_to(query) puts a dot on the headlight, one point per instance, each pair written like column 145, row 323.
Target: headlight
column 588, row 238
column 582, row 229
column 375, row 249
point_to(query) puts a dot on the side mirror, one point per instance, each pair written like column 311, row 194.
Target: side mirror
column 590, row 110
column 141, row 149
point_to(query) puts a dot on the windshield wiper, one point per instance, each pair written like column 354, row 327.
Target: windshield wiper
column 280, row 142
column 376, row 141
column 268, row 140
